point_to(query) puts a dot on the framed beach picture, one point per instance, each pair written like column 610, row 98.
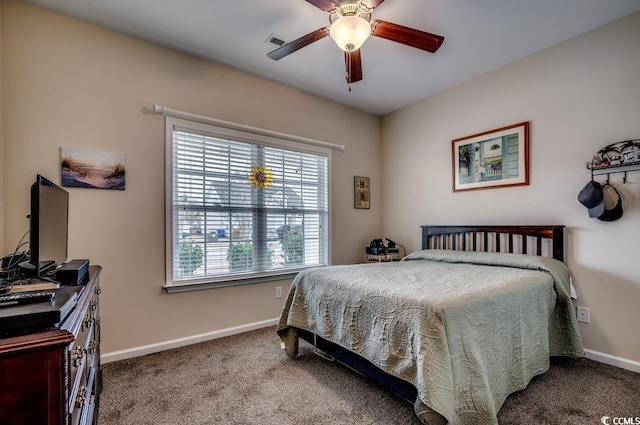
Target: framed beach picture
column 361, row 192
column 92, row 169
column 495, row 158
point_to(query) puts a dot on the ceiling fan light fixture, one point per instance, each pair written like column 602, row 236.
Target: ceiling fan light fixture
column 350, row 32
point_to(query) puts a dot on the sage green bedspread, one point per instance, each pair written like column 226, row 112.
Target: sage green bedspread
column 465, row 328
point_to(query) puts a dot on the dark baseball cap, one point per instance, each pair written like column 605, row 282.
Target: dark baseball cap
column 591, row 196
column 614, row 213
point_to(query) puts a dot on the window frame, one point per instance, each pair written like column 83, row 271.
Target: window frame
column 245, row 136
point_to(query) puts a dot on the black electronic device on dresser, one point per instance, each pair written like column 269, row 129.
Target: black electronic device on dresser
column 48, row 228
column 73, row 272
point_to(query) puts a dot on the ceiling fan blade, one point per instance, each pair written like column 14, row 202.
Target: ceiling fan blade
column 353, row 66
column 372, row 4
column 326, row 5
column 301, row 42
column 405, row 35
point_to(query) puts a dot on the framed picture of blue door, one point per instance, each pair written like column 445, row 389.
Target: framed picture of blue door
column 491, row 159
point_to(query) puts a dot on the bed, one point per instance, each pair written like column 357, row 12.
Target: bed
column 453, row 328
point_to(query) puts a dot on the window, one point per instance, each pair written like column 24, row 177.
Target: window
column 221, row 229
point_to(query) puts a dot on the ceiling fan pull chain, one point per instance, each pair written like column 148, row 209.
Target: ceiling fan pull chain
column 348, row 73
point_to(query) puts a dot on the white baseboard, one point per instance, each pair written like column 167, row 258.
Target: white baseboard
column 620, row 362
column 181, row 342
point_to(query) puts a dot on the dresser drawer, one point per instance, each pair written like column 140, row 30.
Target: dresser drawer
column 79, row 362
column 84, row 400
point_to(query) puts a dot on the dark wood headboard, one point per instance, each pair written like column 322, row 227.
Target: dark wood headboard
column 480, row 238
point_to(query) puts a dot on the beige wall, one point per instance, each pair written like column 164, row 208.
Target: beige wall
column 579, row 96
column 69, row 83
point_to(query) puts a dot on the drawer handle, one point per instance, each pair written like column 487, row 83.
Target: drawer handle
column 81, row 398
column 78, row 356
column 86, row 323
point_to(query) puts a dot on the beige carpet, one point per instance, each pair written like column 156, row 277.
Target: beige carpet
column 248, row 379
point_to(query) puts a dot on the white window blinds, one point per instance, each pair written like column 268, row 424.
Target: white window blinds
column 224, row 228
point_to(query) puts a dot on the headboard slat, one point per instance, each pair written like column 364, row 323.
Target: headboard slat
column 539, row 246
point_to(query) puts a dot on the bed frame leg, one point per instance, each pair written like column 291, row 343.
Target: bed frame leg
column 290, row 342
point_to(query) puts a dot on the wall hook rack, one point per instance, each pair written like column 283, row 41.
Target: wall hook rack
column 619, row 157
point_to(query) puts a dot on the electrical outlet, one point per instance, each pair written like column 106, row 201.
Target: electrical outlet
column 278, row 292
column 583, row 314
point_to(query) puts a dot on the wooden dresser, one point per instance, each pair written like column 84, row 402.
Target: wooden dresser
column 52, row 376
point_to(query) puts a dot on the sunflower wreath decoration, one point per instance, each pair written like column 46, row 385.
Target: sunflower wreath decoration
column 260, row 177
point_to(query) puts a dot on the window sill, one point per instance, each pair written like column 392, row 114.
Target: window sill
column 187, row 287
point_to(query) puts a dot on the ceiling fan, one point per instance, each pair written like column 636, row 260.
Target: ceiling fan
column 351, row 25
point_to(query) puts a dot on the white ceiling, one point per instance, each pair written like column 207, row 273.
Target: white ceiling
column 480, row 35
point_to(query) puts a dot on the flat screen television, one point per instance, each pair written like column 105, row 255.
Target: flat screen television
column 48, row 228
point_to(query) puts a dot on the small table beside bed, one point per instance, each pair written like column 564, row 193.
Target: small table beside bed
column 453, row 328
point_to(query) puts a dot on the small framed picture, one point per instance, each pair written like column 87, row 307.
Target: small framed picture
column 361, row 193
column 92, row 169
column 495, row 158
